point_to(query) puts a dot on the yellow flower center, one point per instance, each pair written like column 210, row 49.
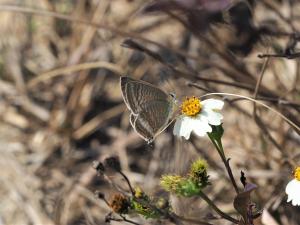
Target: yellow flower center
column 297, row 173
column 191, row 106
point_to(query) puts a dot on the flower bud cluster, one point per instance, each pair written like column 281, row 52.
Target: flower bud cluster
column 189, row 185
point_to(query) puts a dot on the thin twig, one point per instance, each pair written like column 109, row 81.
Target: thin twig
column 260, row 78
column 128, row 221
column 258, row 121
column 273, row 100
column 73, row 68
column 219, row 211
column 258, row 102
column 282, row 55
column 128, row 182
column 124, row 219
column 280, row 15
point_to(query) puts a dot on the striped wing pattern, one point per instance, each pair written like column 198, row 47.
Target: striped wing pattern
column 151, row 108
column 153, row 119
column 136, row 93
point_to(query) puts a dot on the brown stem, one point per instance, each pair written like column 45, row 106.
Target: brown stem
column 219, row 211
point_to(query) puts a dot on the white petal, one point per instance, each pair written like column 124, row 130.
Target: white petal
column 291, row 186
column 177, row 126
column 293, row 191
column 201, row 126
column 187, row 127
column 297, row 197
column 183, row 127
column 214, row 118
column 213, row 104
column 295, row 202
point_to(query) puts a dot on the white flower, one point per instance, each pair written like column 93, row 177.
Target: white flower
column 293, row 188
column 197, row 116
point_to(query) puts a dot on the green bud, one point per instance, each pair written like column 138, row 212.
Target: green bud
column 143, row 208
column 171, row 183
column 180, row 185
column 198, row 173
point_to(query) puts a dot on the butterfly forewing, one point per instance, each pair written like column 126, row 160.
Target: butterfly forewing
column 137, row 93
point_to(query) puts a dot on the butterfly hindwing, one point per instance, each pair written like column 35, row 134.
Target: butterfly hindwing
column 153, row 118
column 143, row 128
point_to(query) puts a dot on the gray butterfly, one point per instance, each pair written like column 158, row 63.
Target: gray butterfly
column 151, row 108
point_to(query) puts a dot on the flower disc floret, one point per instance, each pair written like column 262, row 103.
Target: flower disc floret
column 171, row 182
column 191, row 106
column 198, row 116
column 297, row 173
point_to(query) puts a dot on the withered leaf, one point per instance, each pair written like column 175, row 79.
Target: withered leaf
column 242, row 201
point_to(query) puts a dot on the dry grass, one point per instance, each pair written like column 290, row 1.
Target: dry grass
column 61, row 106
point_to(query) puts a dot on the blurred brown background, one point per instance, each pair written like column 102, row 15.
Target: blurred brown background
column 61, row 106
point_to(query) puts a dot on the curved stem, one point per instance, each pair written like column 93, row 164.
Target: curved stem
column 127, row 181
column 219, row 147
column 219, row 211
column 229, row 171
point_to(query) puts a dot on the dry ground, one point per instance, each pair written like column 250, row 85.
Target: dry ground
column 61, row 106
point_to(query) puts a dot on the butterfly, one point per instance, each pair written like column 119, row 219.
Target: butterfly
column 151, row 108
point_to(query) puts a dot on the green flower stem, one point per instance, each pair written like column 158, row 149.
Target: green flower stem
column 219, row 211
column 219, row 147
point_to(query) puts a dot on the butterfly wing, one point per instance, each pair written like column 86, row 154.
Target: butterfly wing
column 153, row 118
column 136, row 93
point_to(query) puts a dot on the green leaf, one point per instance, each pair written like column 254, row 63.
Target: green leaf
column 217, row 132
